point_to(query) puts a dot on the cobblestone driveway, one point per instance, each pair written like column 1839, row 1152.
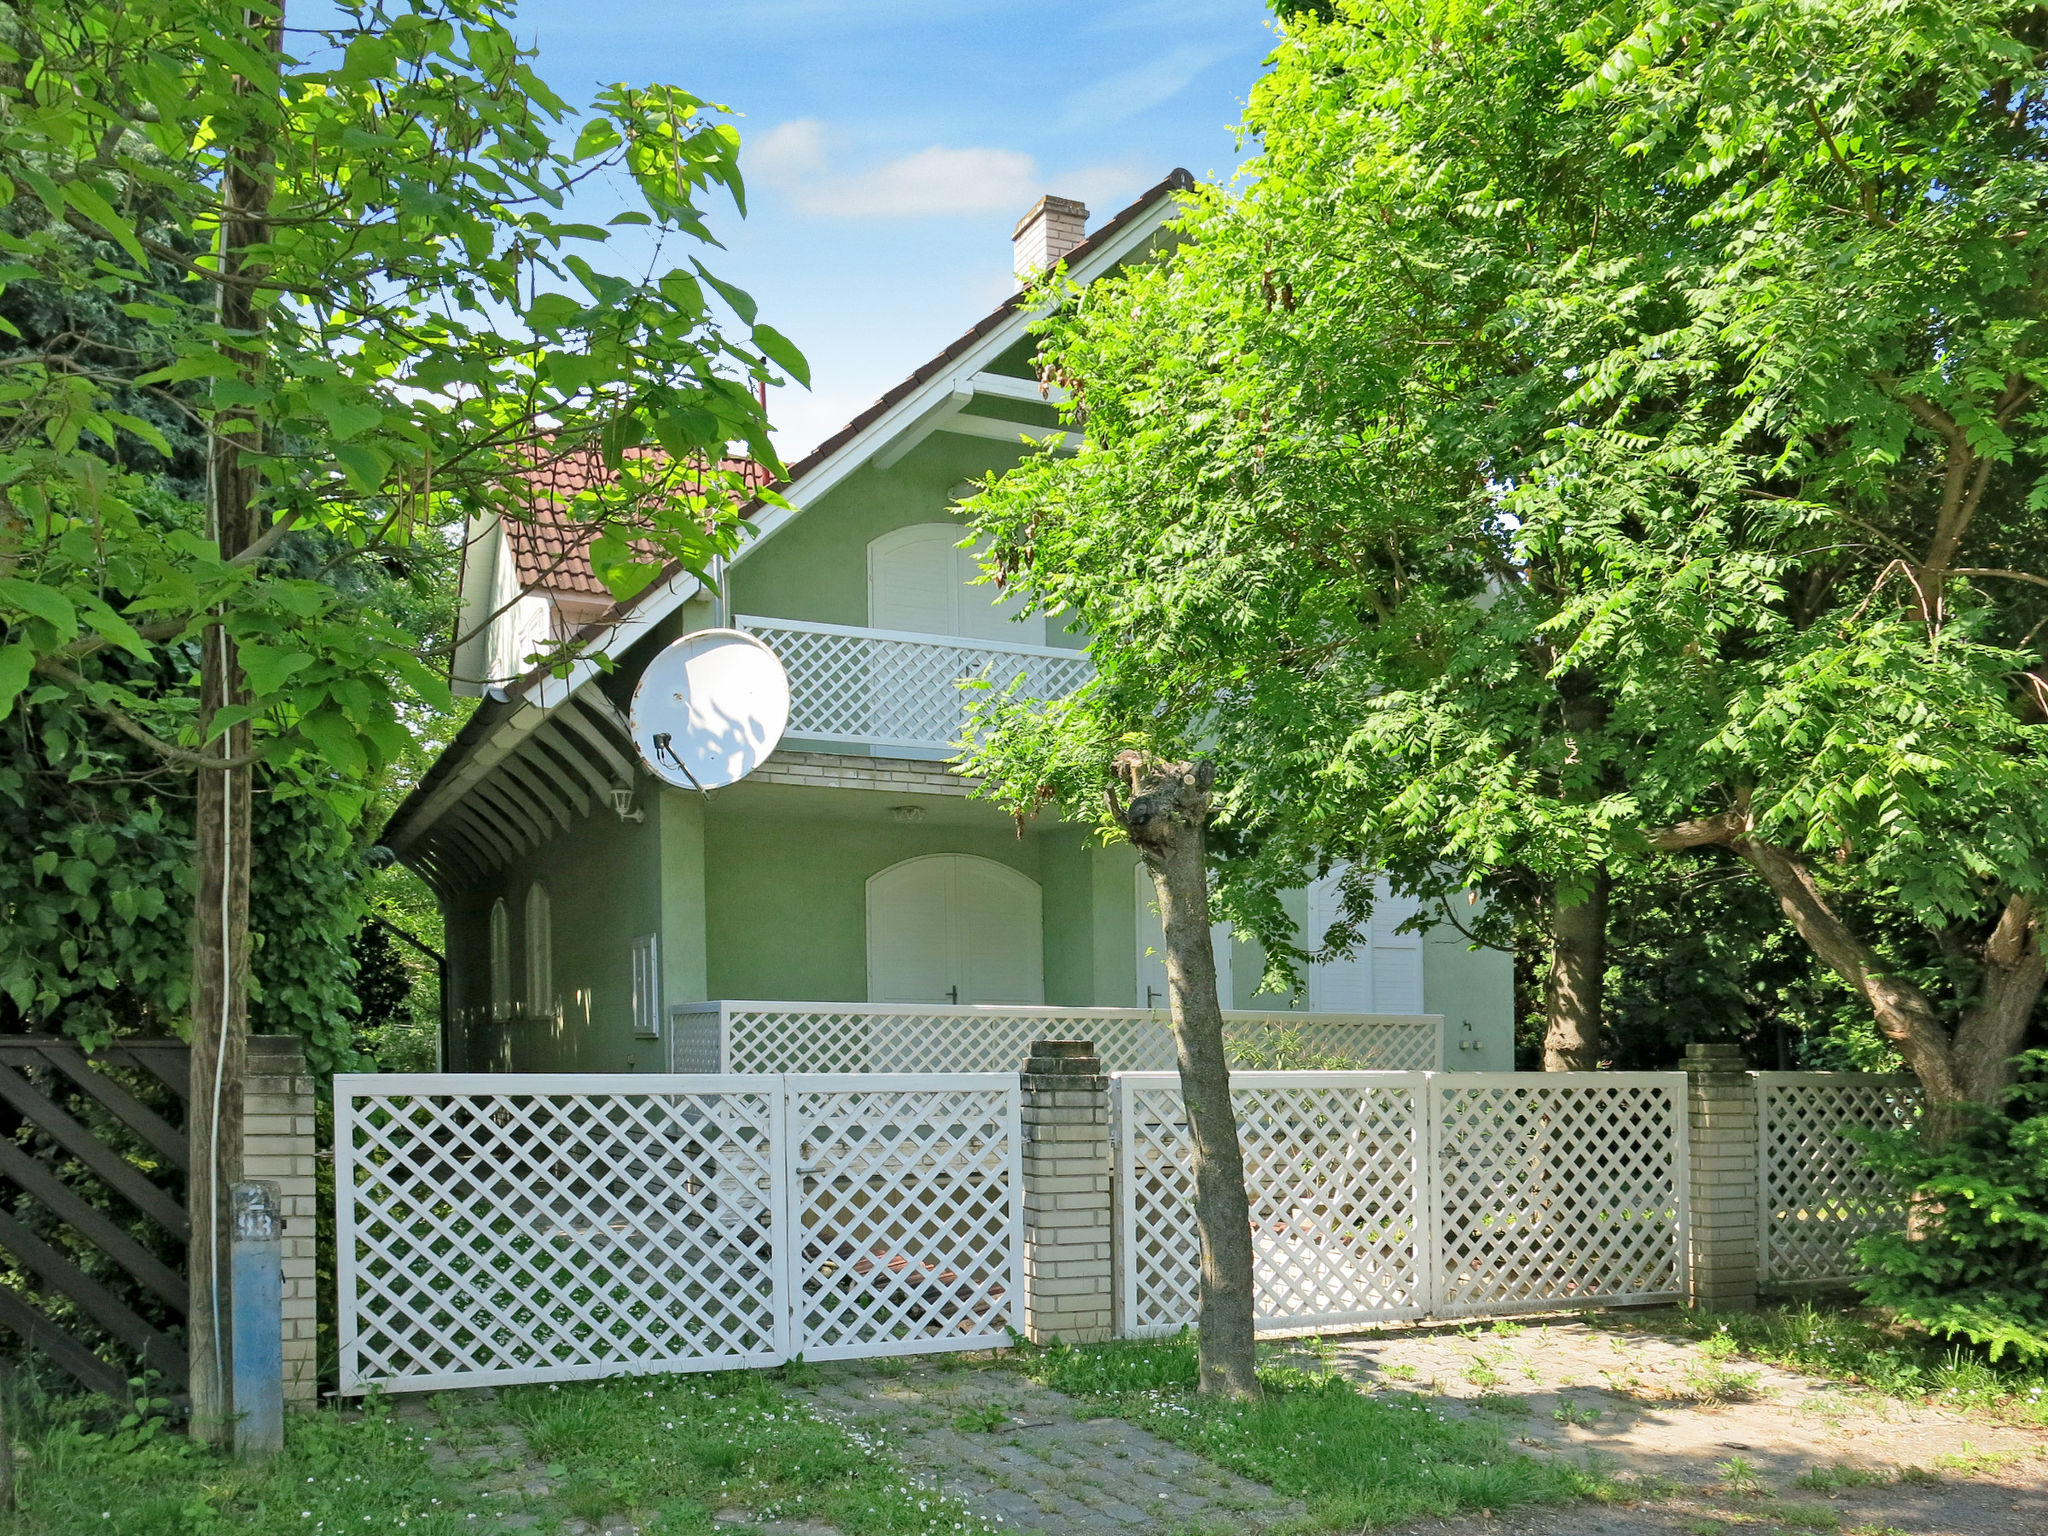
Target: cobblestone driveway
column 1032, row 1459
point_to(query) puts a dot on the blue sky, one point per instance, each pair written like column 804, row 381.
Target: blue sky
column 891, row 145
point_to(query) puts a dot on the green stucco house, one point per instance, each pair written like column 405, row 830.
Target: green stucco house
column 847, row 907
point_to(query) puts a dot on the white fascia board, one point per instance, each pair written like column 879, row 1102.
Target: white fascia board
column 1007, row 386
column 546, row 694
column 948, row 406
column 1012, row 432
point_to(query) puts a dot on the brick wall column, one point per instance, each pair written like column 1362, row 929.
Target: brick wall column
column 1069, row 1287
column 278, row 1147
column 1722, row 1259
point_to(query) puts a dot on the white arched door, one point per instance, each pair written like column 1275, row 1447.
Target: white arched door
column 1382, row 975
column 952, row 928
column 920, row 581
column 1152, row 949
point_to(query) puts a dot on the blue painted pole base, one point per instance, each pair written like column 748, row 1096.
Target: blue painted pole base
column 257, row 1326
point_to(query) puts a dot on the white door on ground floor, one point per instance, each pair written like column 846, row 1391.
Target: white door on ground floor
column 953, row 928
column 1152, row 948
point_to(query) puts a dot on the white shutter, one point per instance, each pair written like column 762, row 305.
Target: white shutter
column 1384, row 973
column 913, row 577
column 989, row 612
column 1335, row 986
column 1396, row 957
column 920, row 582
column 1152, row 949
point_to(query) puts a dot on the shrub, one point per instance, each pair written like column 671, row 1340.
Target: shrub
column 1976, row 1267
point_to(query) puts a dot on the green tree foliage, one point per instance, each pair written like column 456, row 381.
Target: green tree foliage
column 1594, row 435
column 433, row 326
column 1976, row 1267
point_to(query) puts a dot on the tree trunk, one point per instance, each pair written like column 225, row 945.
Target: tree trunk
column 1971, row 1067
column 1165, row 820
column 220, row 925
column 1994, row 1026
column 1575, row 1036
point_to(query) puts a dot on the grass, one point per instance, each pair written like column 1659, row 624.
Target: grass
column 1352, row 1458
column 136, row 1476
column 1864, row 1345
column 685, row 1448
column 1712, row 1379
column 671, row 1452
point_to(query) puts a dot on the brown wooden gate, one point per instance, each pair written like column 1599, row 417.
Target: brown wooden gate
column 92, row 1208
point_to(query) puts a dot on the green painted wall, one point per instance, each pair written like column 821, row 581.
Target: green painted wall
column 685, row 974
column 815, row 567
column 786, row 903
column 1090, row 922
column 1474, row 989
column 604, row 879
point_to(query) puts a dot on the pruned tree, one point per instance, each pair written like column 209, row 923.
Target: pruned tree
column 1074, row 754
column 1165, row 819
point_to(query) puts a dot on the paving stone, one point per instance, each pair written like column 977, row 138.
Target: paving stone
column 1051, row 1465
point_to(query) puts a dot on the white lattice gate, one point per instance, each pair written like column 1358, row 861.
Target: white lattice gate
column 1332, row 1163
column 1817, row 1194
column 497, row 1228
column 1379, row 1195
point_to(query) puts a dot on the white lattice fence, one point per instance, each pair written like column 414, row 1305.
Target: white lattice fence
column 1557, row 1188
column 498, row 1229
column 1332, row 1167
column 909, row 1194
column 1816, row 1193
column 889, row 689
column 1382, row 1194
column 909, row 1037
column 505, row 1228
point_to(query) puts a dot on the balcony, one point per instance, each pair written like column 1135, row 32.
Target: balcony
column 901, row 692
column 749, row 1036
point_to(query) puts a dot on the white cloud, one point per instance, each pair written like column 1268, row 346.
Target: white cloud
column 796, row 158
column 1129, row 92
column 932, row 181
column 787, row 152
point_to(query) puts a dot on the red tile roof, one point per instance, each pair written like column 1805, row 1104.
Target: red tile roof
column 551, row 546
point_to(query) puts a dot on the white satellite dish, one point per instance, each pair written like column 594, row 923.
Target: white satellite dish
column 710, row 708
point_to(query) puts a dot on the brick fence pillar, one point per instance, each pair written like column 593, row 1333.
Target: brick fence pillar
column 1722, row 1259
column 1069, row 1288
column 278, row 1147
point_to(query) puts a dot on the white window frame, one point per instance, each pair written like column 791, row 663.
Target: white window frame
column 647, row 987
column 501, row 960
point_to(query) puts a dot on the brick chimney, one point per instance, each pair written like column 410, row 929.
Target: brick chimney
column 1053, row 227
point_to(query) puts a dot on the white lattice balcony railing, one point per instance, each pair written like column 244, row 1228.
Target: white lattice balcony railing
column 749, row 1036
column 883, row 688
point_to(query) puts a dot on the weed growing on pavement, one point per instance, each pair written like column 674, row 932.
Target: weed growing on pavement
column 1711, row 1379
column 1867, row 1346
